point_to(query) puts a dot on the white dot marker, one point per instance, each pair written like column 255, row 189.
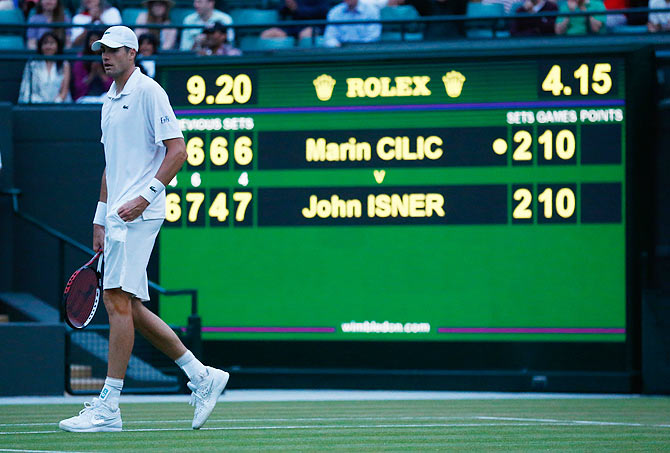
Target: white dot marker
column 173, row 183
column 243, row 179
column 195, row 179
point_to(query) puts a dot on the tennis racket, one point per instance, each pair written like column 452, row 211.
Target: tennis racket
column 82, row 293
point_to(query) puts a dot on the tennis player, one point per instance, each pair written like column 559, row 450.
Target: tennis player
column 144, row 149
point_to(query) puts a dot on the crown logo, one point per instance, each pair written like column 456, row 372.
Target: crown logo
column 324, row 85
column 453, row 83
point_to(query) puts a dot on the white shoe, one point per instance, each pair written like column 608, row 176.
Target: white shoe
column 206, row 393
column 95, row 417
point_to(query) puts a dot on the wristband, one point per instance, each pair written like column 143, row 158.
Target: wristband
column 151, row 191
column 100, row 213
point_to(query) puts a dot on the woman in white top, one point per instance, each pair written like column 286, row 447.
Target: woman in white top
column 94, row 12
column 46, row 81
column 158, row 13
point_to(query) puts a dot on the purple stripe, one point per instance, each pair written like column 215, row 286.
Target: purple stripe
column 370, row 108
column 270, row 329
column 564, row 330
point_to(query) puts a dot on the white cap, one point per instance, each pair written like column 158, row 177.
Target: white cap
column 117, row 36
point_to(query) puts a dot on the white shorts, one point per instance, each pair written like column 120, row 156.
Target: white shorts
column 128, row 247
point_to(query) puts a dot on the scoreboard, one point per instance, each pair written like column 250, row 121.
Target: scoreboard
column 405, row 199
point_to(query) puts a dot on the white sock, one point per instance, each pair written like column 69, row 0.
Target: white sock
column 111, row 392
column 191, row 366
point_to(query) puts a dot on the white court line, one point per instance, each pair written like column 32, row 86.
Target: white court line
column 351, row 419
column 574, row 422
column 354, row 418
column 37, row 451
column 513, row 423
column 293, row 427
column 242, row 420
column 324, row 395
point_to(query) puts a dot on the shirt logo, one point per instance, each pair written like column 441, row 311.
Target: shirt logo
column 125, row 107
column 165, row 119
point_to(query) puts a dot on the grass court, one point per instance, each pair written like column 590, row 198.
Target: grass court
column 518, row 424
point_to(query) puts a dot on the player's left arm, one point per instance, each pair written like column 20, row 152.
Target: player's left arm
column 175, row 156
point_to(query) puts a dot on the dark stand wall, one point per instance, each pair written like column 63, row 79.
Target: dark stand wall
column 6, row 181
column 656, row 296
column 58, row 166
column 30, row 352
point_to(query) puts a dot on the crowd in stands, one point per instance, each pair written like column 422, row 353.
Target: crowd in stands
column 211, row 34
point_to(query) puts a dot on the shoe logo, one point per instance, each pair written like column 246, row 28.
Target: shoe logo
column 125, row 107
column 104, row 393
column 97, row 421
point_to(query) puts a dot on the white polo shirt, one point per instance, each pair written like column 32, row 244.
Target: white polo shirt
column 134, row 124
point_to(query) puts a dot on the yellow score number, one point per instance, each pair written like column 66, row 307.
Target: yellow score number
column 218, row 151
column 599, row 80
column 562, row 204
column 218, row 209
column 563, row 145
column 234, row 90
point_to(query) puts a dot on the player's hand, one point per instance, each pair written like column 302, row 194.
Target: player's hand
column 98, row 237
column 132, row 209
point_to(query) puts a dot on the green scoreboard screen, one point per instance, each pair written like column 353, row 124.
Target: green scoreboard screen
column 401, row 199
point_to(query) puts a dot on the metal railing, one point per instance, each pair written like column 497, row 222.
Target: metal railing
column 194, row 324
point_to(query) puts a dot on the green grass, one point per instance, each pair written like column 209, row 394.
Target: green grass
column 629, row 424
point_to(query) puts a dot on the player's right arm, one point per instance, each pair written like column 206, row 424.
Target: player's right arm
column 100, row 214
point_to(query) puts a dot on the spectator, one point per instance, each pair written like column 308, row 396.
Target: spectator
column 46, row 81
column 158, row 12
column 379, row 4
column 615, row 20
column 442, row 30
column 94, row 12
column 5, row 5
column 48, row 11
column 423, row 7
column 26, row 6
column 507, row 4
column 298, row 10
column 148, row 47
column 215, row 42
column 89, row 81
column 204, row 14
column 533, row 25
column 659, row 21
column 336, row 35
column 579, row 25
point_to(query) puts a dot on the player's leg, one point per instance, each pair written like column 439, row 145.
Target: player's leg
column 207, row 383
column 121, row 331
column 103, row 414
column 127, row 250
column 156, row 331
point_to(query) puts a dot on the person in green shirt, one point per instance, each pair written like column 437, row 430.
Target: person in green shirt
column 580, row 25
